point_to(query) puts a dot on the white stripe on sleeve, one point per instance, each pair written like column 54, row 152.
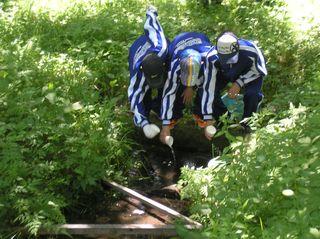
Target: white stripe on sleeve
column 169, row 97
column 208, row 88
column 136, row 93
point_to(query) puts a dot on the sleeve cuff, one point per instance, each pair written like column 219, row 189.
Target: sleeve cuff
column 144, row 123
column 166, row 122
column 207, row 117
column 240, row 83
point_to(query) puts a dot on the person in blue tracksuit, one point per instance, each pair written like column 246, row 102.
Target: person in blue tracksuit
column 187, row 53
column 147, row 57
column 211, row 73
column 239, row 62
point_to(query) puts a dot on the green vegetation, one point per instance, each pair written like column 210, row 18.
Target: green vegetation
column 62, row 124
column 248, row 197
column 244, row 199
column 64, row 121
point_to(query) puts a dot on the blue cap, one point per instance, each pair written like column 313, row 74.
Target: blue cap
column 154, row 71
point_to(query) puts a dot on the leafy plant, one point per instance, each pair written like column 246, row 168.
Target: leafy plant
column 64, row 122
column 58, row 136
column 269, row 187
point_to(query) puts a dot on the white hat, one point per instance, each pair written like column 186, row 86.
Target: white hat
column 227, row 47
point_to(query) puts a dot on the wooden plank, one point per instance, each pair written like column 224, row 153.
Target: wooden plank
column 117, row 229
column 152, row 203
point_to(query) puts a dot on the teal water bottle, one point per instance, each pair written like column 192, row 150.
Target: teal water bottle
column 234, row 106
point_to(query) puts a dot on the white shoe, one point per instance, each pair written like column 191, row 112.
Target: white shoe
column 152, row 8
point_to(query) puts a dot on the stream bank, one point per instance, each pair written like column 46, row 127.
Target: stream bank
column 155, row 179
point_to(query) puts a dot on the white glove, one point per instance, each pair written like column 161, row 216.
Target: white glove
column 151, row 130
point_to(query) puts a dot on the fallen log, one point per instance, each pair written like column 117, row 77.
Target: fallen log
column 116, row 229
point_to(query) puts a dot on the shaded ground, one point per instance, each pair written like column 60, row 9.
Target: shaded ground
column 156, row 179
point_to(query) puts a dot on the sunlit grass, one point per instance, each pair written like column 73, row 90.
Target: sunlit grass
column 304, row 14
column 57, row 56
column 56, row 7
column 51, row 6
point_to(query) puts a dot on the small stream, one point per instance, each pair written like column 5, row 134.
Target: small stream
column 157, row 180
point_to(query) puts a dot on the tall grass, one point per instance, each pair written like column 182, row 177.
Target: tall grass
column 64, row 119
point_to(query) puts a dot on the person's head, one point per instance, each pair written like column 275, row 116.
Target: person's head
column 228, row 48
column 190, row 63
column 153, row 68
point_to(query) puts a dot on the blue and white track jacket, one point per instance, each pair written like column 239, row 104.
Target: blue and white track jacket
column 209, row 84
column 250, row 66
column 188, row 40
column 153, row 41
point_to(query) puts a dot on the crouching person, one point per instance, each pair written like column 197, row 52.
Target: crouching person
column 187, row 53
column 147, row 57
column 241, row 63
